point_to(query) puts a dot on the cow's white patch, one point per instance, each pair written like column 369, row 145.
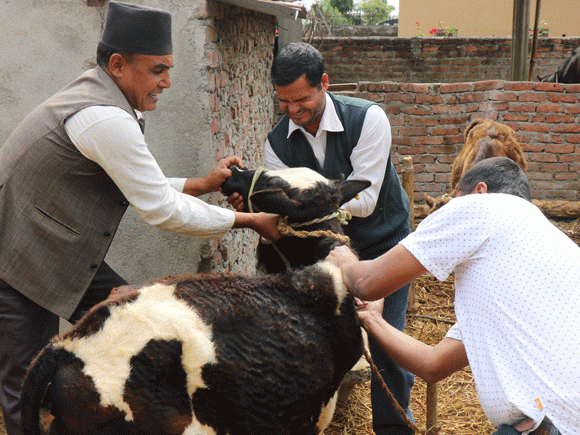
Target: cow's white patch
column 339, row 287
column 155, row 314
column 302, row 178
column 198, row 428
column 326, row 413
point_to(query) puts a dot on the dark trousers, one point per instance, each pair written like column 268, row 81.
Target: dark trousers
column 25, row 328
column 386, row 418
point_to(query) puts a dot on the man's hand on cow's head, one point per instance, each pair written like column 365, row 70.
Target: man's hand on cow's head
column 221, row 172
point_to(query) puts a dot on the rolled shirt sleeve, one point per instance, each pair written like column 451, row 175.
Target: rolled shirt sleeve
column 110, row 137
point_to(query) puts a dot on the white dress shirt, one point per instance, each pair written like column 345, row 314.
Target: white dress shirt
column 110, row 137
column 369, row 157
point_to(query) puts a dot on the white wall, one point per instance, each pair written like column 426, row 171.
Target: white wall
column 46, row 44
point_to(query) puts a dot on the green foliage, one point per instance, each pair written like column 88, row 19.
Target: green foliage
column 343, row 6
column 333, row 15
column 375, row 11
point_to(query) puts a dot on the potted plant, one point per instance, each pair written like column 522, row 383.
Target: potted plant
column 443, row 31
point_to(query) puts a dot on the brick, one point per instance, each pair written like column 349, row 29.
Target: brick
column 560, row 119
column 428, row 99
column 412, row 131
column 575, row 139
column 516, row 117
column 417, row 111
column 415, row 88
column 572, row 88
column 562, row 176
column 454, row 87
column 518, row 86
column 549, row 87
column 560, row 149
column 488, row 85
column 521, row 107
column 562, row 98
column 537, row 157
column 532, row 96
column 440, row 131
column 553, row 108
column 503, row 96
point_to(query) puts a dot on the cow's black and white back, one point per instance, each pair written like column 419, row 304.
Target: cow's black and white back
column 202, row 354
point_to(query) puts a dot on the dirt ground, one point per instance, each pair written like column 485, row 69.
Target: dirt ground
column 458, row 409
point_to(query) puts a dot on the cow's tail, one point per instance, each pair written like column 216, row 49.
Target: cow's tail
column 36, row 383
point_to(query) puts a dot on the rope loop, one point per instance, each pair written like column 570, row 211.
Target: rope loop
column 287, row 229
column 253, row 185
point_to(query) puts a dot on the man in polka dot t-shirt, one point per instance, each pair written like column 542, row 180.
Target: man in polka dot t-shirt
column 517, row 300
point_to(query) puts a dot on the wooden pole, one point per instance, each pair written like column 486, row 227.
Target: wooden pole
column 535, row 40
column 521, row 22
column 408, row 185
column 432, row 409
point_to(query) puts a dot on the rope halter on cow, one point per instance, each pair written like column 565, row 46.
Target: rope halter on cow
column 286, row 228
column 343, row 217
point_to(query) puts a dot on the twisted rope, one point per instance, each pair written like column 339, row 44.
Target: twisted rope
column 378, row 376
column 286, row 229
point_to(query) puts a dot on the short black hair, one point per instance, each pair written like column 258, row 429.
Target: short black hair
column 501, row 174
column 295, row 60
column 104, row 54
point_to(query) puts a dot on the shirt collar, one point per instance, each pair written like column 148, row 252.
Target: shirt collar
column 329, row 121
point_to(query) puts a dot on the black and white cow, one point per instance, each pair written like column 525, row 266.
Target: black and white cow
column 206, row 354
column 301, row 195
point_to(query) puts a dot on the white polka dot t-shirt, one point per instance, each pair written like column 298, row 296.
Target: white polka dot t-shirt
column 517, row 302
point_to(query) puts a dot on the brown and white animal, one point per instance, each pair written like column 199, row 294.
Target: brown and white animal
column 484, row 138
column 208, row 353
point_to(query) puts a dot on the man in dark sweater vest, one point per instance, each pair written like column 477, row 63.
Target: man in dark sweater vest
column 67, row 174
column 337, row 135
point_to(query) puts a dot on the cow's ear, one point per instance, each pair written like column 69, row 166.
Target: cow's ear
column 349, row 189
column 472, row 125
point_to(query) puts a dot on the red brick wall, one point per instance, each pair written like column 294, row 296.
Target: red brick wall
column 428, row 121
column 240, row 50
column 432, row 60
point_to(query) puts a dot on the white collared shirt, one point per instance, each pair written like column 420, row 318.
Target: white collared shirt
column 369, row 157
column 110, row 137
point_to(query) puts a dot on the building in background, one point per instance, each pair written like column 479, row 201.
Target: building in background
column 474, row 18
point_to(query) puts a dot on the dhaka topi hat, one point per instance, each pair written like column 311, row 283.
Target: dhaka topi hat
column 137, row 29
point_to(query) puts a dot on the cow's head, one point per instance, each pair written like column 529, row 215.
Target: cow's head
column 300, row 195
